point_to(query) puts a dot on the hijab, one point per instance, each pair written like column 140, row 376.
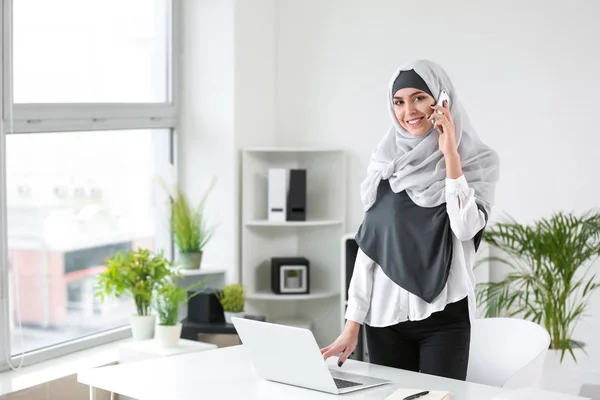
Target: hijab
column 416, row 165
column 406, row 229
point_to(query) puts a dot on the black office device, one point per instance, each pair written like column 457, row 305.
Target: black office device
column 205, row 307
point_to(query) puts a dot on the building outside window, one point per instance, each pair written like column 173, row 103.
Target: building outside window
column 88, row 126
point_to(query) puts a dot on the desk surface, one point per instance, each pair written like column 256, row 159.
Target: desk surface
column 148, row 349
column 227, row 373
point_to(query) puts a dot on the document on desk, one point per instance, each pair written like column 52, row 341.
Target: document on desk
column 537, row 394
column 402, row 393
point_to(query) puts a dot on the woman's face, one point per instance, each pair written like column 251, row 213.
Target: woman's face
column 412, row 108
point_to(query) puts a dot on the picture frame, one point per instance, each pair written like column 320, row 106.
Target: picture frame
column 290, row 275
column 293, row 279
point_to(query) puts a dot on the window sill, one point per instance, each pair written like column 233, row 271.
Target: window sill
column 59, row 367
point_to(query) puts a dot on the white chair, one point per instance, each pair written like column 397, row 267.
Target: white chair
column 507, row 352
column 590, row 391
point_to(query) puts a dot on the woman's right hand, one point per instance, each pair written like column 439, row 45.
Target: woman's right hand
column 345, row 343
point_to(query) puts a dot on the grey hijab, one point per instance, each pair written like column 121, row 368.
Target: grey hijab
column 415, row 163
column 406, row 229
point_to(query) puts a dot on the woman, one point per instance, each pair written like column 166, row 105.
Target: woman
column 428, row 193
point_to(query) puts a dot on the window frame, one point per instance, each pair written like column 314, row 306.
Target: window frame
column 64, row 117
column 4, row 338
column 42, row 117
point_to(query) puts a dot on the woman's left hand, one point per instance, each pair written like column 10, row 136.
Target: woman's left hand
column 445, row 125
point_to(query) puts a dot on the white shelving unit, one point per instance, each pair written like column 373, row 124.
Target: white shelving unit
column 317, row 238
column 314, row 295
column 294, row 223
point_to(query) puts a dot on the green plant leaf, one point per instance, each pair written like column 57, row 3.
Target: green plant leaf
column 232, row 298
column 188, row 223
column 170, row 296
column 548, row 281
column 135, row 274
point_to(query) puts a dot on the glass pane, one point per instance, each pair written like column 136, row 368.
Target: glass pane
column 74, row 200
column 91, row 51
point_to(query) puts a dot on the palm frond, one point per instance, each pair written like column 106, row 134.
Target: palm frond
column 549, row 263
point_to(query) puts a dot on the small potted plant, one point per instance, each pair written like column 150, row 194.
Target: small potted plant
column 189, row 228
column 232, row 299
column 135, row 274
column 169, row 297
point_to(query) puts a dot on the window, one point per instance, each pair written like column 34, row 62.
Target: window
column 92, row 51
column 73, row 200
column 88, row 130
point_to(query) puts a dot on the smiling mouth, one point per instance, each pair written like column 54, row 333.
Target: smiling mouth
column 414, row 121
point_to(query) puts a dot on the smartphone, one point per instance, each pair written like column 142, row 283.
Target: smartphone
column 440, row 102
column 443, row 96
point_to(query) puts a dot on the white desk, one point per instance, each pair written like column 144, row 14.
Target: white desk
column 149, row 349
column 227, row 373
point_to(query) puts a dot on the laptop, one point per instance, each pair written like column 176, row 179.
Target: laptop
column 290, row 355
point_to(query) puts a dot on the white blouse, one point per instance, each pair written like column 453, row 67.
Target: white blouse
column 376, row 300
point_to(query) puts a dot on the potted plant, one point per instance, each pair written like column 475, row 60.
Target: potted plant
column 548, row 281
column 232, row 299
column 135, row 274
column 169, row 297
column 189, row 228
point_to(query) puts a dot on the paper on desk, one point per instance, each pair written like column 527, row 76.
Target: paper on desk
column 401, row 393
column 537, row 394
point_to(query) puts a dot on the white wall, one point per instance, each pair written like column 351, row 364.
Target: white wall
column 206, row 136
column 254, row 72
column 314, row 72
column 527, row 73
column 227, row 102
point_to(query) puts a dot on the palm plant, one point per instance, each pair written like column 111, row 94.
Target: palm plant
column 549, row 280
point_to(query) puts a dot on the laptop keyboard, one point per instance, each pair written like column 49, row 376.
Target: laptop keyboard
column 342, row 384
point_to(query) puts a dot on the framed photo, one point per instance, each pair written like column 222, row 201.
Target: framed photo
column 293, row 279
column 290, row 275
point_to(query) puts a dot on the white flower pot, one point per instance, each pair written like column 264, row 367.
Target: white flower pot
column 168, row 335
column 190, row 260
column 229, row 314
column 292, row 282
column 566, row 376
column 142, row 326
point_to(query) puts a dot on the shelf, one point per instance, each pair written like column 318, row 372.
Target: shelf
column 294, row 223
column 202, row 271
column 317, row 238
column 317, row 294
column 293, row 150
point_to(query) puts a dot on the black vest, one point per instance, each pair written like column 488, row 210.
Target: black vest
column 411, row 244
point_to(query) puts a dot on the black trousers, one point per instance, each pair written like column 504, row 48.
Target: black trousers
column 438, row 345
